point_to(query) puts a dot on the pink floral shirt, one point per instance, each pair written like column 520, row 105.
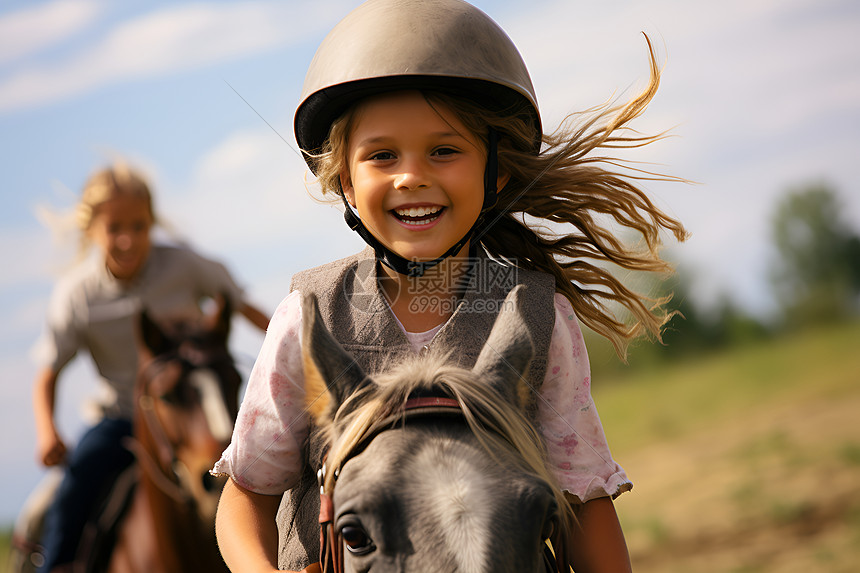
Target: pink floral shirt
column 265, row 455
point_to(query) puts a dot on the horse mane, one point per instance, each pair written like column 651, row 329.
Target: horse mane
column 492, row 419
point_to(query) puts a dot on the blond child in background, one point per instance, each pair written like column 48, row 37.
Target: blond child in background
column 93, row 308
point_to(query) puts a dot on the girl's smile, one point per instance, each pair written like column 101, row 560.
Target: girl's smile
column 418, row 216
column 415, row 174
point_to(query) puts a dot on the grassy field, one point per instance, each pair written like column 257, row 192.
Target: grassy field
column 5, row 535
column 746, row 461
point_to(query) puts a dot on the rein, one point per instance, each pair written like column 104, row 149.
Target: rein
column 172, row 484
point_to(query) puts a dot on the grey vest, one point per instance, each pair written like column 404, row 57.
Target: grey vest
column 356, row 312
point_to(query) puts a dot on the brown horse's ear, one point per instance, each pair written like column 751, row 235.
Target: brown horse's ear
column 152, row 340
column 331, row 374
column 506, row 356
column 218, row 323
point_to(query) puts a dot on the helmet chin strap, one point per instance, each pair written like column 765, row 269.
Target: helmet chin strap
column 414, row 268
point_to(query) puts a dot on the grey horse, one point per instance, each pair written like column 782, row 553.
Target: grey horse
column 432, row 467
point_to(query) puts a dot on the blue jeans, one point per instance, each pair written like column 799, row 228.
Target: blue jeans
column 94, row 464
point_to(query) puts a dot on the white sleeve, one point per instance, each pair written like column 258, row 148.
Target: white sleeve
column 265, row 454
column 576, row 445
column 61, row 337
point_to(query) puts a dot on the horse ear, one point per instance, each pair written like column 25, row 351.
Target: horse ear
column 331, row 374
column 219, row 322
column 508, row 351
column 152, row 340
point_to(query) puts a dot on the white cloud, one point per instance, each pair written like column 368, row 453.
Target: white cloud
column 758, row 91
column 240, row 194
column 31, row 30
column 163, row 42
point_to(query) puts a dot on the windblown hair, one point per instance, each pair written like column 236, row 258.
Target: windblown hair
column 495, row 422
column 547, row 216
column 103, row 185
column 106, row 184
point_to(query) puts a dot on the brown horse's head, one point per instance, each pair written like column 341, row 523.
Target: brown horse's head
column 187, row 399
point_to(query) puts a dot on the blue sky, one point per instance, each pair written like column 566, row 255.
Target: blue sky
column 762, row 95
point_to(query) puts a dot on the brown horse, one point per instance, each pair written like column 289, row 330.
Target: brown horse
column 160, row 516
column 187, row 399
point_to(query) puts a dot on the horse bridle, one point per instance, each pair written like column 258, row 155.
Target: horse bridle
column 331, row 545
column 170, row 484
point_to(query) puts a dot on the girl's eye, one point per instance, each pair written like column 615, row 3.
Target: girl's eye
column 382, row 156
column 444, row 151
column 356, row 540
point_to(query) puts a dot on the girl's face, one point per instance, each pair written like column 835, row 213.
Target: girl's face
column 120, row 228
column 416, row 174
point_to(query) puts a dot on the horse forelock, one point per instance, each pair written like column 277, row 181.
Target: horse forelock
column 490, row 417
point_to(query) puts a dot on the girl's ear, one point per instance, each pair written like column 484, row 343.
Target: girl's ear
column 347, row 188
column 502, row 180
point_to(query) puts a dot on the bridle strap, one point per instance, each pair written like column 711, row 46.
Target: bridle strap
column 430, row 401
column 166, row 453
column 331, row 547
column 151, row 469
column 164, row 449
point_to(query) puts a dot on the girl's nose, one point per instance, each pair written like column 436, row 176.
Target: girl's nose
column 412, row 175
column 124, row 241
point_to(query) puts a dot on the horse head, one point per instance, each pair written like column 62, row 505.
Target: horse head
column 432, row 467
column 187, row 399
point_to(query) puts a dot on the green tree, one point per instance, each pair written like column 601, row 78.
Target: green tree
column 816, row 277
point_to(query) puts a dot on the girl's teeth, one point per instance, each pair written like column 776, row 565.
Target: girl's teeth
column 417, row 211
column 419, row 221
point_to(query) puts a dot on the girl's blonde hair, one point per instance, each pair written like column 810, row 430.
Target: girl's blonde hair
column 105, row 184
column 546, row 217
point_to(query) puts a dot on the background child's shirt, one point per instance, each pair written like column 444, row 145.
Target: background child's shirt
column 91, row 310
column 265, row 455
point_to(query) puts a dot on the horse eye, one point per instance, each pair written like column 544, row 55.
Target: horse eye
column 172, row 397
column 551, row 523
column 180, row 394
column 356, row 540
column 550, row 527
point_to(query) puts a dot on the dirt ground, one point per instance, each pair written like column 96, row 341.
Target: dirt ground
column 774, row 491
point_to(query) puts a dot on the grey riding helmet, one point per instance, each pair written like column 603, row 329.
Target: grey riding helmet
column 388, row 45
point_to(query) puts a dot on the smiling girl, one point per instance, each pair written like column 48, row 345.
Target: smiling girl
column 93, row 308
column 411, row 172
column 420, row 116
